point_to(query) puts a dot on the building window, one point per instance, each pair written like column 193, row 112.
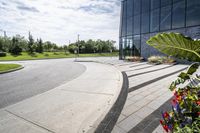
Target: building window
column 193, row 13
column 165, row 2
column 136, row 27
column 124, row 19
column 129, row 8
column 155, row 4
column 137, row 7
column 130, row 26
column 145, row 6
column 165, row 18
column 174, row 1
column 129, row 46
column 145, row 23
column 137, row 45
column 178, row 18
column 154, row 20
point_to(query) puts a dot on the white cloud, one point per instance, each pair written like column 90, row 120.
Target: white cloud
column 61, row 20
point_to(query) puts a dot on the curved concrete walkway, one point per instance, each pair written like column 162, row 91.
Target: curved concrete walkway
column 77, row 106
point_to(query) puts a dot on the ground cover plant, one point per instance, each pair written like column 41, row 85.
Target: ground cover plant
column 134, row 58
column 7, row 67
column 161, row 60
column 184, row 116
column 51, row 55
column 185, row 113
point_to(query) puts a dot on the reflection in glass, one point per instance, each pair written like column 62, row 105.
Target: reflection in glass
column 129, row 8
column 155, row 4
column 130, row 26
column 129, row 46
column 145, row 23
column 165, row 18
column 124, row 19
column 165, row 2
column 178, row 18
column 145, row 6
column 137, row 5
column 137, row 45
column 193, row 12
column 154, row 23
column 136, row 27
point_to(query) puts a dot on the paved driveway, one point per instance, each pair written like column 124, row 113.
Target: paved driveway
column 37, row 77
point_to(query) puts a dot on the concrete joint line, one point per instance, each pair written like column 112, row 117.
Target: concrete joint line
column 154, row 80
column 29, row 121
column 86, row 92
column 150, row 71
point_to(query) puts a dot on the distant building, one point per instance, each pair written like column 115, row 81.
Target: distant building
column 141, row 19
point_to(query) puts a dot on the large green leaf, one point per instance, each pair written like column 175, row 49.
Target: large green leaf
column 175, row 44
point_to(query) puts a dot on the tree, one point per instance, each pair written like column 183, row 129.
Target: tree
column 15, row 49
column 65, row 49
column 1, row 45
column 39, row 46
column 30, row 49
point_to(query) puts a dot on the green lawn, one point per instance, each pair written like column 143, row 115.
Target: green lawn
column 51, row 55
column 7, row 67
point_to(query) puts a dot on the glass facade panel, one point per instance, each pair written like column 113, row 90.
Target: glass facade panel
column 137, row 45
column 165, row 2
column 129, row 47
column 124, row 20
column 130, row 26
column 142, row 17
column 193, row 13
column 155, row 4
column 165, row 18
column 174, row 1
column 154, row 21
column 129, row 8
column 137, row 7
column 145, row 23
column 178, row 18
column 136, row 27
column 145, row 6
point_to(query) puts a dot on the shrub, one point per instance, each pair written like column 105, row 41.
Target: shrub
column 155, row 59
column 2, row 54
column 185, row 113
column 46, row 54
column 134, row 58
column 161, row 60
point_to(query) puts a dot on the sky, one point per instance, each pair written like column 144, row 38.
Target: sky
column 60, row 21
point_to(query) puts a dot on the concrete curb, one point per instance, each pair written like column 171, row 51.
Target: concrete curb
column 12, row 70
column 108, row 123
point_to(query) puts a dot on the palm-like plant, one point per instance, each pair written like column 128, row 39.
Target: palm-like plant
column 177, row 45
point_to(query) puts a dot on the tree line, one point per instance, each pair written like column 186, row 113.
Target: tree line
column 17, row 44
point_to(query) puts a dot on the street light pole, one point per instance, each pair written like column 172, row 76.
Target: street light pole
column 78, row 45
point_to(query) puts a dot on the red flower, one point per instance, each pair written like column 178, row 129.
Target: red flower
column 198, row 113
column 178, row 98
column 198, row 102
column 166, row 128
column 174, row 102
column 161, row 122
column 166, row 115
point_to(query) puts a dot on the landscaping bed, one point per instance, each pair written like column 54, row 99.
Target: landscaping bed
column 4, row 68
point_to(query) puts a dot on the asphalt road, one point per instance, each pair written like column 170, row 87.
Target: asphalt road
column 37, row 77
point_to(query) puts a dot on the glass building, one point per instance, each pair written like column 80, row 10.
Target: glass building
column 141, row 19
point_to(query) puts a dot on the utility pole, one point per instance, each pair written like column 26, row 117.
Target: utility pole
column 78, row 45
column 4, row 34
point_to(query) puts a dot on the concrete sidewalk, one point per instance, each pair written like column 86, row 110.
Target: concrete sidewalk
column 77, row 106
